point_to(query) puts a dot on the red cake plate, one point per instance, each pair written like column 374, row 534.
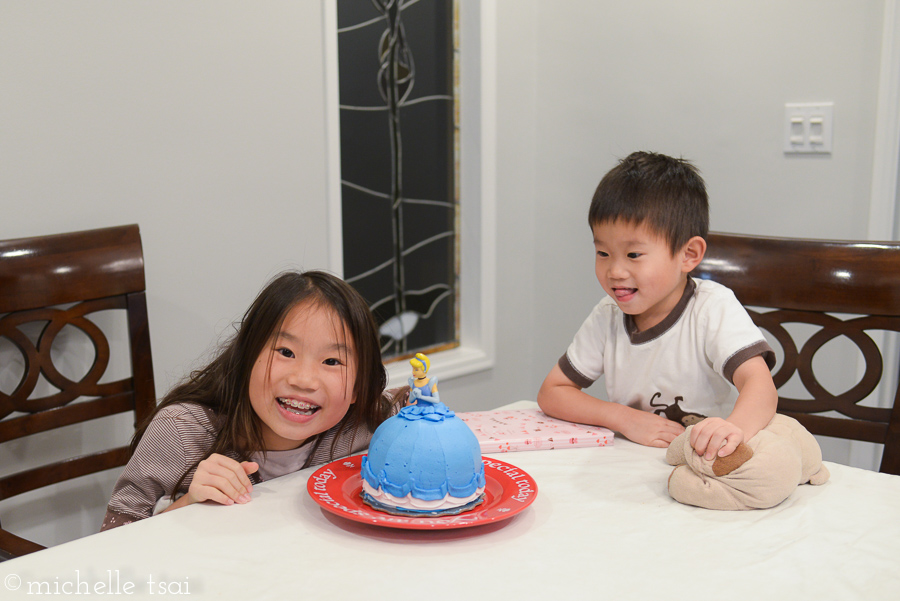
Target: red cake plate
column 336, row 487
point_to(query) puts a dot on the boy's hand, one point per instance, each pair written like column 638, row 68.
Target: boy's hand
column 221, row 479
column 715, row 436
column 650, row 429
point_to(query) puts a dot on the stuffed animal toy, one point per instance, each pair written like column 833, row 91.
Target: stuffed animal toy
column 759, row 474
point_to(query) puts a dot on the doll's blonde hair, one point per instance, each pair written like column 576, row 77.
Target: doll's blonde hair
column 420, row 361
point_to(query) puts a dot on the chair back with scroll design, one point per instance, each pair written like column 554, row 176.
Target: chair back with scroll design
column 49, row 283
column 841, row 288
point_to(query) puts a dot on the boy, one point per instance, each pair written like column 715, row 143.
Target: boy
column 661, row 338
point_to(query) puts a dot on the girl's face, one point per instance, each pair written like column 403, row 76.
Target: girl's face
column 302, row 381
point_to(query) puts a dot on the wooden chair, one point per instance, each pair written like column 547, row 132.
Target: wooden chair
column 58, row 281
column 808, row 282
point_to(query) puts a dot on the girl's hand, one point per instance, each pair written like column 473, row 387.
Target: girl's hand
column 650, row 429
column 221, row 479
column 715, row 436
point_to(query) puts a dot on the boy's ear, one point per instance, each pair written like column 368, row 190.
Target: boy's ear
column 693, row 253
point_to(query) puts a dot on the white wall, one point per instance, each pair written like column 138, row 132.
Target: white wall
column 706, row 80
column 204, row 122
column 200, row 121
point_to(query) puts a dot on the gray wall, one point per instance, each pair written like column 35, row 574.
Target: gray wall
column 204, row 122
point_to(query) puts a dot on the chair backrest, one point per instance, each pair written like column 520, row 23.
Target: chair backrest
column 841, row 288
column 51, row 282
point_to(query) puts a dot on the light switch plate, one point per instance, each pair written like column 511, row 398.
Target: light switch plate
column 808, row 127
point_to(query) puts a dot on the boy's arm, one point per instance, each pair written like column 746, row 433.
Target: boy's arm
column 755, row 406
column 561, row 398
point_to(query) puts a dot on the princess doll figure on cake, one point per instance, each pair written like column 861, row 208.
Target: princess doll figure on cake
column 424, row 399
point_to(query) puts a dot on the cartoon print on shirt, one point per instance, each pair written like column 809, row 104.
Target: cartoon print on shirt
column 676, row 413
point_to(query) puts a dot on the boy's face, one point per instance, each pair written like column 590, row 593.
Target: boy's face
column 637, row 269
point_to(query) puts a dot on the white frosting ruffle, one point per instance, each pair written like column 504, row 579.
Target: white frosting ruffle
column 411, row 503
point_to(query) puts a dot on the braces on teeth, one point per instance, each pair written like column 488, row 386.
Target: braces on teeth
column 298, row 407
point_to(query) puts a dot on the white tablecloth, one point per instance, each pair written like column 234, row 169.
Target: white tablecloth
column 602, row 526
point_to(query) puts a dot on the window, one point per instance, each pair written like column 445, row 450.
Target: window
column 399, row 166
column 469, row 293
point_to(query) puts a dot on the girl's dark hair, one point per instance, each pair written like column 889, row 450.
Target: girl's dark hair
column 223, row 385
column 665, row 194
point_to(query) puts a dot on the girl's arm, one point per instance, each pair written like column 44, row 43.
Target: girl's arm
column 561, row 398
column 219, row 479
column 755, row 406
column 178, row 436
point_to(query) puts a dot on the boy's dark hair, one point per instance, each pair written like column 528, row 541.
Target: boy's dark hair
column 665, row 194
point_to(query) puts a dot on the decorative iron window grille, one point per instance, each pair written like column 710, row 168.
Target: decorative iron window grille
column 399, row 137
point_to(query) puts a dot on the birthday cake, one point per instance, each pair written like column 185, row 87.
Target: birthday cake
column 424, row 461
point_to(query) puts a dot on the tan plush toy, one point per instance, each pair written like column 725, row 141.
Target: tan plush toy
column 759, row 474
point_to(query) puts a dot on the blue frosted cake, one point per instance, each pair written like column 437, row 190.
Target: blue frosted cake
column 423, row 461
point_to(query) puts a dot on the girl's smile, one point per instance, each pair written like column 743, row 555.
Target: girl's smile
column 302, row 382
column 296, row 409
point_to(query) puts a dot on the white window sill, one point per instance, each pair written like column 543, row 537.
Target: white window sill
column 445, row 365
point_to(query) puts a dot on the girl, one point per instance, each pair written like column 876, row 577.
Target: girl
column 299, row 384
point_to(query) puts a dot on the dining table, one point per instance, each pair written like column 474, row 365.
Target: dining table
column 591, row 523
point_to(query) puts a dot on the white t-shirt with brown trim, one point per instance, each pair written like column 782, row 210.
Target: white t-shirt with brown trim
column 683, row 365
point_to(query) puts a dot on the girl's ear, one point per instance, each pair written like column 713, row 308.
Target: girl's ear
column 693, row 253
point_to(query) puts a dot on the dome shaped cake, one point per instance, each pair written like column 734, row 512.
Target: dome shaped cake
column 424, row 460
